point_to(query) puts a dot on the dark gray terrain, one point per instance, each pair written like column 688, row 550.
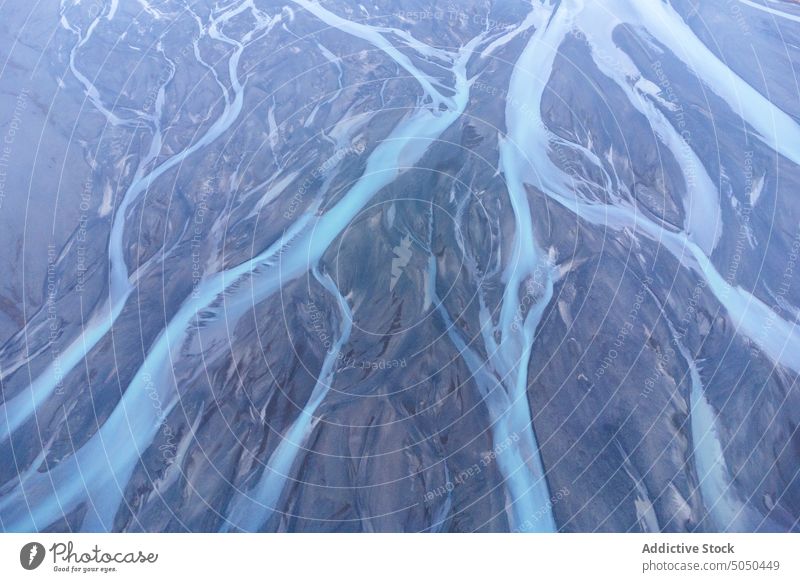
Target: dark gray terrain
column 490, row 265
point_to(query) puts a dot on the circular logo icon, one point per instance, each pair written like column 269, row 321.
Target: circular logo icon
column 31, row 555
